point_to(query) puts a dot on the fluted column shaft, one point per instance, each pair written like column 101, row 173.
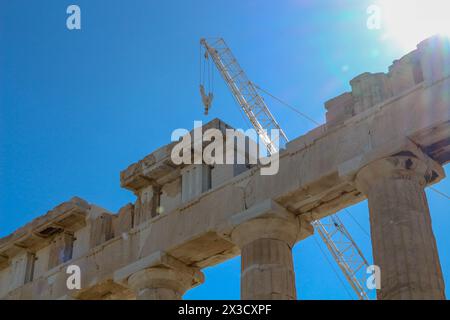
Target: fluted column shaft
column 267, row 270
column 403, row 242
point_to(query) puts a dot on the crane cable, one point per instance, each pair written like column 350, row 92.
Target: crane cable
column 364, row 230
column 207, row 77
column 332, row 267
column 440, row 193
column 296, row 110
column 357, row 223
column 206, row 70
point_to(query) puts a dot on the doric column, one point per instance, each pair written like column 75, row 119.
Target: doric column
column 267, row 270
column 163, row 283
column 159, row 276
column 403, row 242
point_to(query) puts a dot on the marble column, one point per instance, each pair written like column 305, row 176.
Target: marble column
column 403, row 242
column 267, row 270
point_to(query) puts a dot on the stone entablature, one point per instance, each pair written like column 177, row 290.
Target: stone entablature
column 423, row 66
column 66, row 232
column 76, row 228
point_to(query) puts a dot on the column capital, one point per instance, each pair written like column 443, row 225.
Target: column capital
column 175, row 280
column 268, row 221
column 159, row 276
column 403, row 166
column 265, row 233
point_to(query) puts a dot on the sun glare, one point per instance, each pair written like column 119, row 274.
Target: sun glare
column 408, row 22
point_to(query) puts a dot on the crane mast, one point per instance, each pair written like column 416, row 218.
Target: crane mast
column 332, row 231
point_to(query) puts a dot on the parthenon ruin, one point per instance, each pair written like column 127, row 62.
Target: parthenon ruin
column 384, row 141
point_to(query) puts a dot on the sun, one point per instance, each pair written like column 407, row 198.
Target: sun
column 408, row 22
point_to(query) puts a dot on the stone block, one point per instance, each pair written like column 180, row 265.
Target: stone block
column 340, row 108
column 195, row 179
column 124, row 221
column 61, row 249
column 101, row 229
column 18, row 271
column 41, row 264
column 170, row 197
column 405, row 73
column 370, row 89
column 435, row 58
column 143, row 208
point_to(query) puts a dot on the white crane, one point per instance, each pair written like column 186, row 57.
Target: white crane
column 335, row 236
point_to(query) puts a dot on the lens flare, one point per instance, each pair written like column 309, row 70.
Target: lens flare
column 408, row 22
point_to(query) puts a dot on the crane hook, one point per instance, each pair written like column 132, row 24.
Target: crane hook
column 206, row 99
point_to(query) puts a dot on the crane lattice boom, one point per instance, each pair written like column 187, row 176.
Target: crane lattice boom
column 336, row 237
column 244, row 92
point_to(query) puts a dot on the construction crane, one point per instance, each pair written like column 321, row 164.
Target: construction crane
column 331, row 230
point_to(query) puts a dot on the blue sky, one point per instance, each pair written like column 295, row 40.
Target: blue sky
column 77, row 107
